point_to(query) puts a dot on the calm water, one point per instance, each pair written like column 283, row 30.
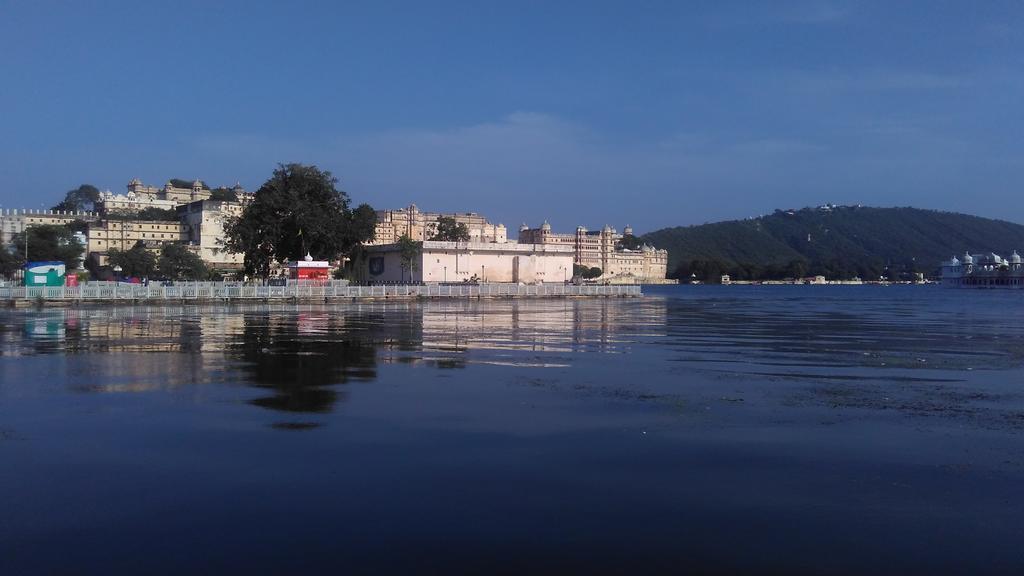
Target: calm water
column 824, row 430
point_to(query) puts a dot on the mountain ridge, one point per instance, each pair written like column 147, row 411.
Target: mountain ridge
column 839, row 242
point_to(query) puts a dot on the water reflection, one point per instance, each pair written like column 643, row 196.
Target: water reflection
column 300, row 358
column 303, row 356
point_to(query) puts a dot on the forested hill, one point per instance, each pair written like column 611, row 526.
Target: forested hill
column 838, row 242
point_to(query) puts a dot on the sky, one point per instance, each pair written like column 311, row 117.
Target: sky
column 653, row 114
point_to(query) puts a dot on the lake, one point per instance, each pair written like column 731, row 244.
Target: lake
column 701, row 429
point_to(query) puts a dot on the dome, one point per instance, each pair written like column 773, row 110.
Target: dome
column 545, row 227
column 954, row 261
column 628, row 230
column 607, row 229
column 968, row 259
column 523, row 227
column 1015, row 258
column 308, row 258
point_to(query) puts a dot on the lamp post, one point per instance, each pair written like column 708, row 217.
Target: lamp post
column 446, row 274
column 117, row 273
column 482, row 277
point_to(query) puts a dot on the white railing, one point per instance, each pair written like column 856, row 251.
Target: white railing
column 108, row 291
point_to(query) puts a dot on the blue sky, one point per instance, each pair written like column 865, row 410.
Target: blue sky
column 648, row 113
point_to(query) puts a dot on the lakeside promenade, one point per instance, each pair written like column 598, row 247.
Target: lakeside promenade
column 220, row 291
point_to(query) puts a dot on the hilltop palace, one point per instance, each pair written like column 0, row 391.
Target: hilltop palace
column 195, row 216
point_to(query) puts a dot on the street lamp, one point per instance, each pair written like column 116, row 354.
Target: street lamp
column 117, row 272
column 482, row 278
column 446, row 274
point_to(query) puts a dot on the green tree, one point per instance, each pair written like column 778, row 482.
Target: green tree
column 362, row 224
column 409, row 251
column 629, row 242
column 153, row 213
column 136, row 262
column 50, row 242
column 585, row 272
column 179, row 263
column 224, row 195
column 448, row 230
column 10, row 261
column 297, row 211
column 83, row 198
column 796, row 269
column 78, row 226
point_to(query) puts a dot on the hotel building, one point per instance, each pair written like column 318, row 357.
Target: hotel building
column 411, row 222
column 600, row 249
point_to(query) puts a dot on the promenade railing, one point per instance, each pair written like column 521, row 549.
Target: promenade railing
column 110, row 291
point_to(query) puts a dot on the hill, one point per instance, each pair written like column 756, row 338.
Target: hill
column 839, row 242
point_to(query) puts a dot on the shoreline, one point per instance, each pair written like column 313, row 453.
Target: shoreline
column 203, row 293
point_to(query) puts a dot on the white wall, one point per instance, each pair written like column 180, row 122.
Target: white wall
column 448, row 262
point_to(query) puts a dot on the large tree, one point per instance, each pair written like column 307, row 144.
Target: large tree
column 178, row 263
column 137, row 262
column 448, row 230
column 50, row 242
column 83, row 198
column 297, row 211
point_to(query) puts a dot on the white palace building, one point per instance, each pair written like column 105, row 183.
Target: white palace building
column 984, row 271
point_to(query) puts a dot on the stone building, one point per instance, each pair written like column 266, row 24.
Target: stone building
column 14, row 221
column 450, row 262
column 204, row 222
column 411, row 222
column 106, row 235
column 601, row 249
column 179, row 195
column 111, row 203
column 140, row 196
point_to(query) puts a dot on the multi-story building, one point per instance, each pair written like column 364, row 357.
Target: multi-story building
column 106, row 235
column 393, row 224
column 600, row 249
column 141, row 196
column 111, row 203
column 13, row 221
column 204, row 222
column 177, row 194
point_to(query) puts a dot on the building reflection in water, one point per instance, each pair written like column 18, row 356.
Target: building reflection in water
column 302, row 356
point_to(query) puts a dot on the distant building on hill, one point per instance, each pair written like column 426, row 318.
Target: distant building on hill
column 170, row 196
column 411, row 222
column 602, row 249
